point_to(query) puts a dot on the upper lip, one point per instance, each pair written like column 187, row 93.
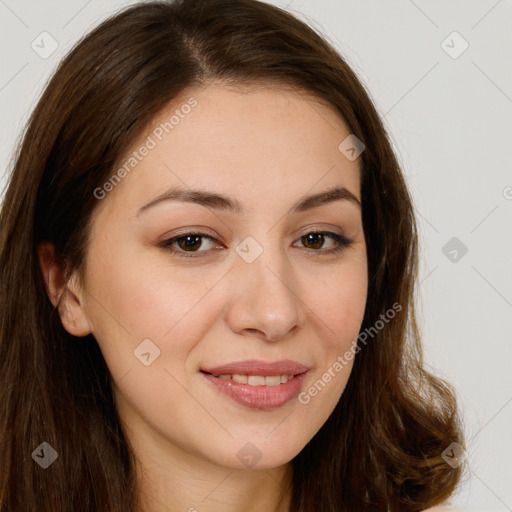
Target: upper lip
column 258, row 367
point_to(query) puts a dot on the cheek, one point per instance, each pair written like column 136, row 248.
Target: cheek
column 133, row 301
column 337, row 312
column 339, row 301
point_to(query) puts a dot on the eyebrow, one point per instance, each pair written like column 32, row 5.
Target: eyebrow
column 226, row 203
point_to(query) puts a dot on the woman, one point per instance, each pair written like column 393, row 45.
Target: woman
column 208, row 260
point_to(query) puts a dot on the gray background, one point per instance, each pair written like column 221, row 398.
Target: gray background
column 450, row 118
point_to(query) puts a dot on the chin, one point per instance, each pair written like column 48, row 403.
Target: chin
column 258, row 453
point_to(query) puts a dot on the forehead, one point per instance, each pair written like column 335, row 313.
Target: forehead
column 253, row 142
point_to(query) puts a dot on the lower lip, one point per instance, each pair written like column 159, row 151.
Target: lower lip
column 258, row 397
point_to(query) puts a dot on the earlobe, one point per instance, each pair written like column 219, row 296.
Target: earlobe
column 63, row 294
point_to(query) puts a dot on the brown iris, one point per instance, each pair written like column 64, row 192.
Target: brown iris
column 316, row 239
column 190, row 242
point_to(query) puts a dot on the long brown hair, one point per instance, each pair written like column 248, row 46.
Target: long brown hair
column 381, row 447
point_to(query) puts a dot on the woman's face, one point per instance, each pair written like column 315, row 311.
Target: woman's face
column 264, row 304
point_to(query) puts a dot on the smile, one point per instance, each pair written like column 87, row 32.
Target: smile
column 256, row 384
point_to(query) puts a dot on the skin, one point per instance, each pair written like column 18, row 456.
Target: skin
column 267, row 147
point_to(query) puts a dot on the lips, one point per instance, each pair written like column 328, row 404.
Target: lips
column 258, row 384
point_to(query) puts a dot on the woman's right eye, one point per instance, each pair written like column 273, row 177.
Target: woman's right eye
column 187, row 243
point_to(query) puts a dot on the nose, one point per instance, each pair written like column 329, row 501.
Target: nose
column 265, row 299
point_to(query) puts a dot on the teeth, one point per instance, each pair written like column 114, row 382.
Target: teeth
column 255, row 380
column 241, row 379
column 258, row 380
column 271, row 380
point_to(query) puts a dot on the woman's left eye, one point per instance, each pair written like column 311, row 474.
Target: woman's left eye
column 191, row 243
column 317, row 238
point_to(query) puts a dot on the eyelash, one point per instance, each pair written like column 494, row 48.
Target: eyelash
column 342, row 242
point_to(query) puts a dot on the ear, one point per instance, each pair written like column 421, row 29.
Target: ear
column 64, row 294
